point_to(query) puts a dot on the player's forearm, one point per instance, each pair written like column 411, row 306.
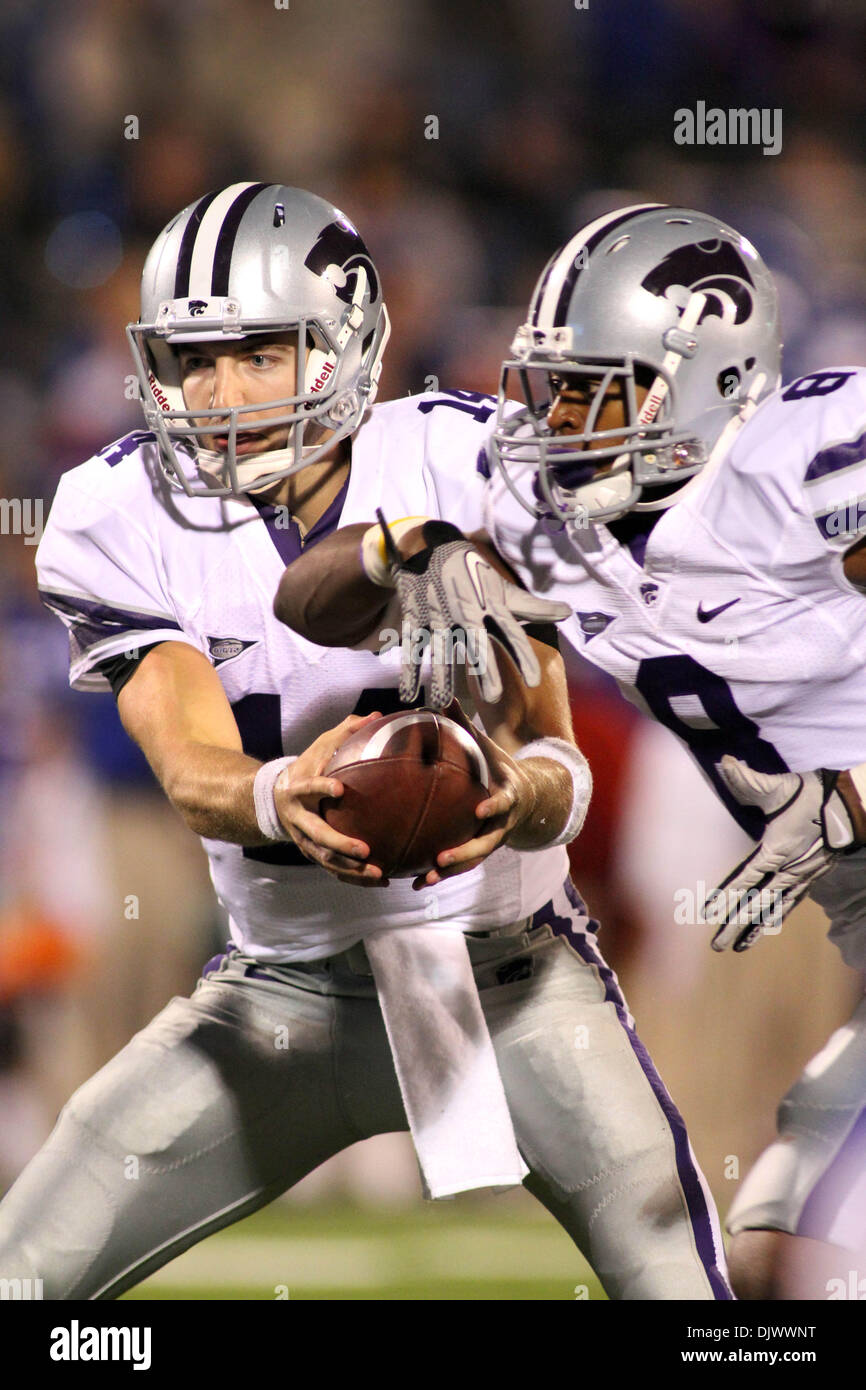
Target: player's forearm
column 212, row 789
column 552, row 793
column 325, row 595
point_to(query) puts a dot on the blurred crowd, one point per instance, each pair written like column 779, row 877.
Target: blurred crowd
column 467, row 141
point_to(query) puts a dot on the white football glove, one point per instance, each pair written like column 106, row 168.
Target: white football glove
column 449, row 586
column 808, row 825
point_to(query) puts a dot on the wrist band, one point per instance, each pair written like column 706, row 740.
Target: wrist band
column 571, row 758
column 373, row 558
column 269, row 822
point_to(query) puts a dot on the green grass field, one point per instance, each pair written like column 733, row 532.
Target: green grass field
column 496, row 1248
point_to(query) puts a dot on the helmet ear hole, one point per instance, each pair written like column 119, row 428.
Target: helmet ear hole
column 321, row 362
column 728, row 382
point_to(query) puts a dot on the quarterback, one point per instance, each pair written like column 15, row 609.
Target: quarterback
column 258, row 351
column 708, row 529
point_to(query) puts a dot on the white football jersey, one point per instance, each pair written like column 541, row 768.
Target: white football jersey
column 739, row 631
column 126, row 561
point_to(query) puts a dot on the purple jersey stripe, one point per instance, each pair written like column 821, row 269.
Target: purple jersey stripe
column 837, row 456
column 695, row 1199
column 287, row 539
column 823, row 1204
column 94, row 620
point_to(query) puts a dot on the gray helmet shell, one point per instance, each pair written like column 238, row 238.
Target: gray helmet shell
column 673, row 297
column 249, row 259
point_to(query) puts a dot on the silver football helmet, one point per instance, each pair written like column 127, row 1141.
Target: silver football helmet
column 250, row 259
column 649, row 296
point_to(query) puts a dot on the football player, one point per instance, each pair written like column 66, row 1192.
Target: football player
column 258, row 351
column 708, row 528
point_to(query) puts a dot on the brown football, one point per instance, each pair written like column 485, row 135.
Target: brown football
column 411, row 783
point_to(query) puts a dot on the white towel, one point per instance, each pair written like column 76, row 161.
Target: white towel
column 450, row 1083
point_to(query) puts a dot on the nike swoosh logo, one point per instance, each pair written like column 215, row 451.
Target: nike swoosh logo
column 838, row 831
column 474, row 562
column 707, row 615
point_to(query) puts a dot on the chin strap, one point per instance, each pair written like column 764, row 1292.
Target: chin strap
column 689, row 321
column 213, row 464
column 260, row 466
column 603, row 493
column 719, row 449
column 661, row 504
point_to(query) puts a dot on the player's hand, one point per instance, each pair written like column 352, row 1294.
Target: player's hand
column 449, row 585
column 510, row 802
column 297, row 794
column 808, row 824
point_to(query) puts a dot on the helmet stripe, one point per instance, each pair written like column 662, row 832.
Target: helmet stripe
column 562, row 282
column 190, row 232
column 207, row 236
column 539, row 293
column 226, row 241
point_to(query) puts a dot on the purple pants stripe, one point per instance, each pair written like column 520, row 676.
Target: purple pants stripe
column 696, row 1201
